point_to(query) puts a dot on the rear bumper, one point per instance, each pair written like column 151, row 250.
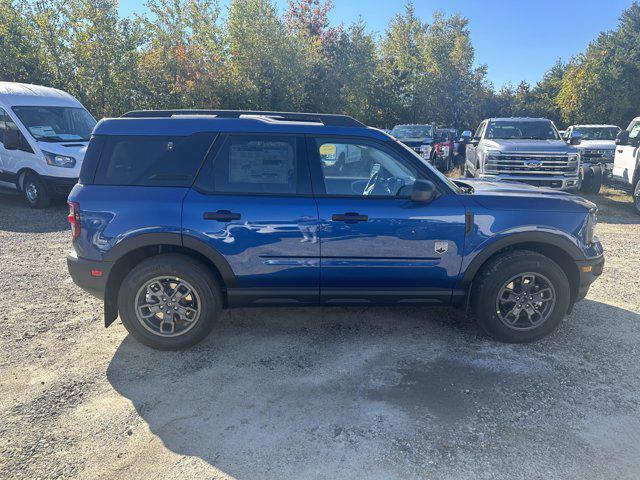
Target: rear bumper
column 59, row 186
column 590, row 270
column 85, row 274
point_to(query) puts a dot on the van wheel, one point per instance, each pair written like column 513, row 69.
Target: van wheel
column 520, row 297
column 169, row 302
column 35, row 191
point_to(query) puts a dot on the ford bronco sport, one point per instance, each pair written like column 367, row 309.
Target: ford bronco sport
column 179, row 214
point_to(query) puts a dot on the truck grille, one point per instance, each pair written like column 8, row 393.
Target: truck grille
column 531, row 164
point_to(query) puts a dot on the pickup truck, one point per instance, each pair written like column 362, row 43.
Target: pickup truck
column 418, row 137
column 626, row 164
column 597, row 147
column 528, row 150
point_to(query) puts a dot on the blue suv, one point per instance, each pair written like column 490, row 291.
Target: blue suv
column 180, row 214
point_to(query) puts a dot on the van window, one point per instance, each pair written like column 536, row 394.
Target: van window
column 152, row 160
column 260, row 164
column 56, row 124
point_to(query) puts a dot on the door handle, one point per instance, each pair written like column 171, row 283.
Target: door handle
column 221, row 216
column 620, row 150
column 349, row 217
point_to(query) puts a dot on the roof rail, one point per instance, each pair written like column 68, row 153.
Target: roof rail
column 326, row 119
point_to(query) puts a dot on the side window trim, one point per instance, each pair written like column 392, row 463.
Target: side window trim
column 204, row 180
column 317, row 176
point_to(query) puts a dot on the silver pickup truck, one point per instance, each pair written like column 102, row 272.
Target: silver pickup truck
column 528, row 150
column 597, row 148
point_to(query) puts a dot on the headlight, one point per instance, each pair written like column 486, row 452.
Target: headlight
column 425, row 148
column 56, row 160
column 592, row 220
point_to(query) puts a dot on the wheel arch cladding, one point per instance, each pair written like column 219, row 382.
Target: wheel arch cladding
column 556, row 248
column 129, row 253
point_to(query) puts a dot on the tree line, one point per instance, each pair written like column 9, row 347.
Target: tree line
column 197, row 54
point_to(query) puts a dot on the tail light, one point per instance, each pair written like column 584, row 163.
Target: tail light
column 74, row 219
column 438, row 149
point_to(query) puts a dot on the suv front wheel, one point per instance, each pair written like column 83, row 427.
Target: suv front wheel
column 169, row 302
column 520, row 297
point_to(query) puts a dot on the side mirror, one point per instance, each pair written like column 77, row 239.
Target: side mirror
column 622, row 138
column 423, row 191
column 466, row 136
column 12, row 139
column 576, row 136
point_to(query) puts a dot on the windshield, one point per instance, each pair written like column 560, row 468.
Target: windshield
column 598, row 133
column 56, row 124
column 436, row 172
column 522, row 130
column 441, row 136
column 412, row 131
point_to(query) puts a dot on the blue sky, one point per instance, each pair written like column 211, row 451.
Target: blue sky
column 517, row 40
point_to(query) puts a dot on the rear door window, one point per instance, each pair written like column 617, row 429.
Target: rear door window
column 259, row 164
column 152, row 160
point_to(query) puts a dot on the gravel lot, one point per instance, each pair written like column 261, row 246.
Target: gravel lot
column 373, row 393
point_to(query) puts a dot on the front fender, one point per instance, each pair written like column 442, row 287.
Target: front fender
column 474, row 260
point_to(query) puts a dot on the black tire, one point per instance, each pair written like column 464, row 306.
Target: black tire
column 636, row 196
column 591, row 179
column 493, row 276
column 172, row 265
column 35, row 191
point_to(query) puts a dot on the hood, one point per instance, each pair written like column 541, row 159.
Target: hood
column 535, row 146
column 597, row 144
column 72, row 148
column 511, row 195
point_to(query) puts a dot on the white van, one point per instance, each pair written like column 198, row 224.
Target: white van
column 626, row 163
column 44, row 134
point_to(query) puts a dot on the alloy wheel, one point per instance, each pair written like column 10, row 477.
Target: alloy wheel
column 525, row 301
column 167, row 306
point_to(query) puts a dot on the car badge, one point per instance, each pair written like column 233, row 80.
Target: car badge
column 441, row 247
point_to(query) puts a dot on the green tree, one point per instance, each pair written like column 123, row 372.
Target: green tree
column 265, row 63
column 90, row 52
column 184, row 63
column 19, row 57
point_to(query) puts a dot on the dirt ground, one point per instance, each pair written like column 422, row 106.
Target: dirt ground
column 375, row 393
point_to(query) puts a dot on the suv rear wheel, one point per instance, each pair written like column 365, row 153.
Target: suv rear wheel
column 35, row 191
column 169, row 302
column 520, row 297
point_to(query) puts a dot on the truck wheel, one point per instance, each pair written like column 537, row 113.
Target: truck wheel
column 520, row 297
column 636, row 196
column 591, row 179
column 35, row 191
column 169, row 302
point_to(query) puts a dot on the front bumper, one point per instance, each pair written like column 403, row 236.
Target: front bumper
column 558, row 183
column 589, row 269
column 59, row 186
column 84, row 273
